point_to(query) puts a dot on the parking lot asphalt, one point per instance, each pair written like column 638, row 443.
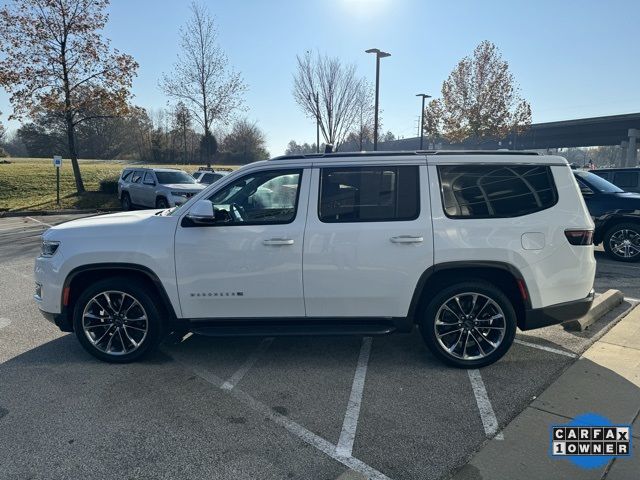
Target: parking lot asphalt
column 236, row 408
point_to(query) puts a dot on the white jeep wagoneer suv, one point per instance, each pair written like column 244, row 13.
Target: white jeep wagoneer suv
column 467, row 245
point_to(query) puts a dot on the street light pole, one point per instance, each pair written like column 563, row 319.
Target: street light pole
column 423, row 95
column 379, row 54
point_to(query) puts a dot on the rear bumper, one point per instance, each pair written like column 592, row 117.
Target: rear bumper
column 61, row 320
column 554, row 314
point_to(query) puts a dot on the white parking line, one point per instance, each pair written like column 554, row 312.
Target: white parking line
column 292, row 427
column 546, row 349
column 350, row 423
column 246, row 366
column 487, row 415
column 38, row 221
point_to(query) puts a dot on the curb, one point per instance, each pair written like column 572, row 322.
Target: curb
column 29, row 213
column 601, row 305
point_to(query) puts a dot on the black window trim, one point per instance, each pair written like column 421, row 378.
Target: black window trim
column 554, row 189
column 185, row 222
column 354, row 167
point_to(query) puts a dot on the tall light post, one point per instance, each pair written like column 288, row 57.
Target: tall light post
column 423, row 95
column 379, row 54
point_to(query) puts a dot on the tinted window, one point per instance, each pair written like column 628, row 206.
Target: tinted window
column 605, row 175
column 626, row 179
column 596, row 183
column 259, row 198
column 494, row 191
column 148, row 178
column 369, row 194
column 136, row 177
column 126, row 174
column 166, row 178
column 210, row 178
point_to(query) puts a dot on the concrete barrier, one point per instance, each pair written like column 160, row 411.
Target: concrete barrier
column 601, row 305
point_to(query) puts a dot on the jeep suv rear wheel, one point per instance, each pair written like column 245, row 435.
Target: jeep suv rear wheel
column 622, row 242
column 116, row 320
column 469, row 325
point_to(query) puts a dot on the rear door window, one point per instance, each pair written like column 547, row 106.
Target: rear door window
column 369, row 194
column 626, row 179
column 496, row 191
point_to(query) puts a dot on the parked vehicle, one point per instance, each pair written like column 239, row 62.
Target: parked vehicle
column 465, row 245
column 155, row 187
column 616, row 215
column 628, row 179
column 207, row 176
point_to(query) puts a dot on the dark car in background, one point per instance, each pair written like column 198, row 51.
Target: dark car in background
column 616, row 215
column 628, row 179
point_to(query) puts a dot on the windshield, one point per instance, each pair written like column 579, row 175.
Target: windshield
column 174, row 177
column 598, row 183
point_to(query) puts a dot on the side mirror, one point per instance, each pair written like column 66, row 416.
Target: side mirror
column 201, row 213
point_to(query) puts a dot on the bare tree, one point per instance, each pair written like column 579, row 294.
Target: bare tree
column 182, row 125
column 364, row 114
column 337, row 88
column 202, row 77
column 56, row 60
column 480, row 99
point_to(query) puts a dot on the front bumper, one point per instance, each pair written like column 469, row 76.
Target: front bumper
column 61, row 320
column 558, row 313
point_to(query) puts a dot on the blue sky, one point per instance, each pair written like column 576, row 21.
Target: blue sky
column 571, row 58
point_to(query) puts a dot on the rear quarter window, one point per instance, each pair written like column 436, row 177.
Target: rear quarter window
column 496, row 191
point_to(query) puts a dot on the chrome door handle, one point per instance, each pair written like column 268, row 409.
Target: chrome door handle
column 407, row 239
column 278, row 241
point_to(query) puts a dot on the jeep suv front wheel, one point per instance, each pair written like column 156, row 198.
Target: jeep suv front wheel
column 116, row 320
column 469, row 325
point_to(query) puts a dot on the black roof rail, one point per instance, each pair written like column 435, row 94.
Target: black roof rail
column 401, row 153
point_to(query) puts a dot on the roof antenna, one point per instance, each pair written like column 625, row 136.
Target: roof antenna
column 328, row 148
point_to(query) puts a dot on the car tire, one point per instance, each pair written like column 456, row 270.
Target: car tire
column 125, row 201
column 482, row 320
column 615, row 247
column 117, row 320
column 161, row 202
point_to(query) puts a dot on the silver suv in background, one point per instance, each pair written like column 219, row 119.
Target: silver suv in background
column 155, row 187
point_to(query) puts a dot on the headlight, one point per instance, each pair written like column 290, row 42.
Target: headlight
column 49, row 248
column 179, row 194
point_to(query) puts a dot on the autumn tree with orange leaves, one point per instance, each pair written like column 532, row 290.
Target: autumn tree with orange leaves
column 480, row 99
column 54, row 59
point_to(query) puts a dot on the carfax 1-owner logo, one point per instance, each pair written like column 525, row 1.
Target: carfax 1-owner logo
column 590, row 441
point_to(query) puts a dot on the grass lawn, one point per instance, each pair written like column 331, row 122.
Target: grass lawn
column 30, row 183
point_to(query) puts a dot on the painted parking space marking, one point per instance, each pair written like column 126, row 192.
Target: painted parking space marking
column 350, row 424
column 487, row 415
column 246, row 366
column 292, row 427
column 38, row 221
column 545, row 348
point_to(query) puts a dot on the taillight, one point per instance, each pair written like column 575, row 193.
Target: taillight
column 579, row 237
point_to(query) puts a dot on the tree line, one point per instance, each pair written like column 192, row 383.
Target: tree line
column 72, row 92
